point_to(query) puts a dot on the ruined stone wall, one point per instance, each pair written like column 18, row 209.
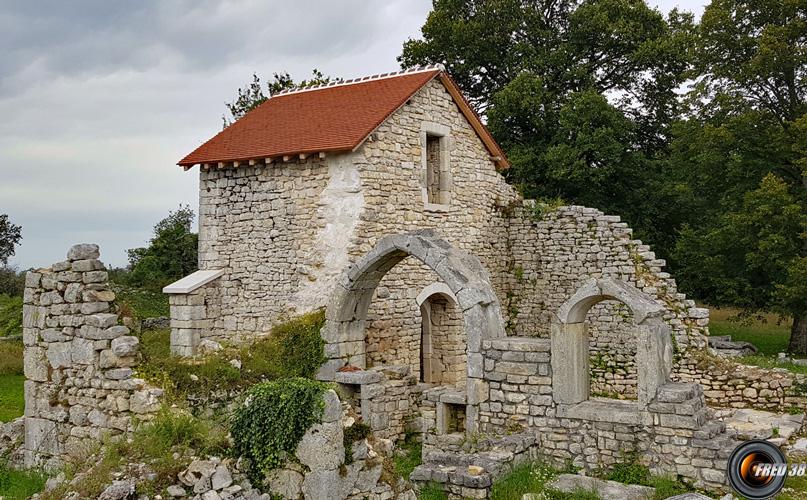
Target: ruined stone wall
column 557, row 251
column 674, row 436
column 78, row 361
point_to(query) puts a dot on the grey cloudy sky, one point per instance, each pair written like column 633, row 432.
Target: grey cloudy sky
column 99, row 99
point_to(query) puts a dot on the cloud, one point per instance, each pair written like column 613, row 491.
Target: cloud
column 100, row 99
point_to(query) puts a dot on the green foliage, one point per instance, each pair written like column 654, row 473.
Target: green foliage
column 667, row 486
column 141, row 303
column 751, row 258
column 293, row 349
column 171, row 254
column 268, row 426
column 12, row 281
column 251, row 96
column 11, row 357
column 10, row 315
column 355, row 432
column 177, row 430
column 629, row 471
column 20, row 484
column 10, row 236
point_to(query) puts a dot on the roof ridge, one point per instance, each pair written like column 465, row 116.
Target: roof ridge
column 362, row 79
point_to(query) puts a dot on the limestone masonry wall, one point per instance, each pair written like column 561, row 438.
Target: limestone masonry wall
column 78, row 361
column 556, row 252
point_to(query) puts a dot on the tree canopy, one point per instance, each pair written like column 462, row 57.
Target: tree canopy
column 10, row 236
column 171, row 254
column 694, row 132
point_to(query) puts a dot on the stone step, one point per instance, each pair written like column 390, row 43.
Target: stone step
column 462, row 476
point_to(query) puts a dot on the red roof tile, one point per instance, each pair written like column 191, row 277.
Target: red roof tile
column 323, row 119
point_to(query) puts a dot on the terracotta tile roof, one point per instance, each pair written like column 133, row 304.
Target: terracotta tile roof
column 329, row 118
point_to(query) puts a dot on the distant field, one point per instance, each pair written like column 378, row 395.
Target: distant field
column 769, row 334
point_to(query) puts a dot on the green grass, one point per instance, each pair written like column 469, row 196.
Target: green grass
column 432, row 492
column 533, row 478
column 12, row 403
column 20, row 484
column 767, row 333
column 410, row 458
column 293, row 349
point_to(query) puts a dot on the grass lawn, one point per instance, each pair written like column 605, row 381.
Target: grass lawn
column 12, row 403
column 768, row 333
column 20, row 484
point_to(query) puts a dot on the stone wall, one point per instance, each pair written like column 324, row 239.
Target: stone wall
column 674, row 435
column 78, row 361
column 284, row 233
column 557, row 251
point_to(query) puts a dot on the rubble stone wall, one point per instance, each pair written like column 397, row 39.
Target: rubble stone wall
column 78, row 361
column 556, row 252
column 673, row 437
column 284, row 233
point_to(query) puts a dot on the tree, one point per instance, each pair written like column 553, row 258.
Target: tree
column 172, row 252
column 753, row 257
column 10, row 236
column 252, row 94
column 738, row 163
column 581, row 95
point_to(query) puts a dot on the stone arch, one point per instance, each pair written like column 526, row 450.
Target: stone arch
column 463, row 274
column 570, row 354
column 435, row 288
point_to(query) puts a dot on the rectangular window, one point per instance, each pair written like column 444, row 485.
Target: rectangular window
column 433, row 170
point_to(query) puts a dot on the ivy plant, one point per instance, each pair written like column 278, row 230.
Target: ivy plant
column 269, row 425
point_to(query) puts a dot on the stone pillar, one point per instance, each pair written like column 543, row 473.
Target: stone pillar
column 570, row 364
column 188, row 320
column 654, row 353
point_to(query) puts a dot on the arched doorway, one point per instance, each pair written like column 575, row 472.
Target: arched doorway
column 442, row 340
column 466, row 279
column 570, row 343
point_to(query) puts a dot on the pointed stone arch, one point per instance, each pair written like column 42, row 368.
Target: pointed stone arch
column 570, row 345
column 462, row 273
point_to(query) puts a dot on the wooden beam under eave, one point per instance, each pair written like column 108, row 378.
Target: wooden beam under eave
column 236, row 163
column 187, row 167
column 321, row 155
column 222, row 164
column 286, row 158
column 205, row 167
column 303, row 156
column 268, row 161
column 252, row 163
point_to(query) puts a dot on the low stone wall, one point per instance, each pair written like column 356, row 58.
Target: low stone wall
column 78, row 361
column 388, row 396
column 730, row 384
column 673, row 436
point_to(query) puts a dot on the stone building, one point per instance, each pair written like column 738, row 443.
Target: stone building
column 461, row 308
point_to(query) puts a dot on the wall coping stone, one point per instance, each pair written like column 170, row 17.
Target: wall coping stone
column 193, row 281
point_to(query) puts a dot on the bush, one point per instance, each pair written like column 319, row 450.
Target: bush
column 11, row 357
column 141, row 303
column 10, row 315
column 272, row 420
column 630, row 471
column 12, row 281
column 294, row 349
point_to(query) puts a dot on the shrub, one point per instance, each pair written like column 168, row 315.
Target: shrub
column 11, row 357
column 629, row 471
column 294, row 349
column 10, row 315
column 355, row 432
column 141, row 303
column 12, row 281
column 270, row 423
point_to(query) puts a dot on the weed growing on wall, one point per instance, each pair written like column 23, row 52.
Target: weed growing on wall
column 269, row 425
